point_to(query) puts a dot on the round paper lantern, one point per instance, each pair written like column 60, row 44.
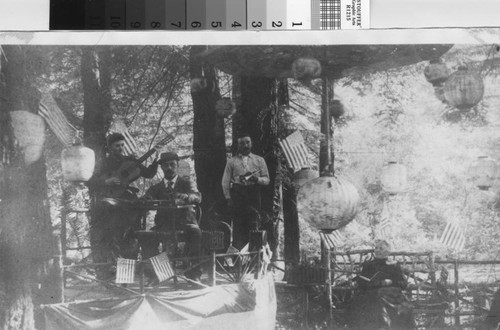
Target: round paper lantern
column 394, row 178
column 464, row 89
column 436, row 72
column 306, row 68
column 77, row 163
column 225, row 107
column 303, row 176
column 198, row 84
column 328, row 203
column 29, row 131
column 484, row 172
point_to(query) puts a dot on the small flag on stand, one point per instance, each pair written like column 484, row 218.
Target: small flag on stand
column 295, row 151
column 162, row 267
column 55, row 118
column 125, row 270
column 333, row 239
column 385, row 221
column 118, row 126
column 453, row 236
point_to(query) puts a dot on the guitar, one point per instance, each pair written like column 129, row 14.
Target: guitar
column 129, row 170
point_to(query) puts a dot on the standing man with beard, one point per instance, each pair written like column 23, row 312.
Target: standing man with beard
column 173, row 187
column 243, row 177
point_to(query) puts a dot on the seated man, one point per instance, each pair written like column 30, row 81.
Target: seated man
column 176, row 188
column 111, row 224
column 380, row 299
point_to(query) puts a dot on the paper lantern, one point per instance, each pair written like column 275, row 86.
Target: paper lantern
column 484, row 172
column 436, row 72
column 328, row 203
column 198, row 84
column 225, row 107
column 394, row 178
column 29, row 131
column 303, row 176
column 464, row 89
column 306, row 68
column 77, row 163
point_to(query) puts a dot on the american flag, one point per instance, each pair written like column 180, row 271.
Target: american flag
column 61, row 127
column 295, row 151
column 125, row 270
column 162, row 267
column 453, row 237
column 118, row 126
column 333, row 239
column 385, row 221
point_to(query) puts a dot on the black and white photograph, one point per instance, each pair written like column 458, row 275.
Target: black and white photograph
column 311, row 184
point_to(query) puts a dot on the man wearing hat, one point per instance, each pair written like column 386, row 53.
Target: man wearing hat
column 179, row 189
column 244, row 175
column 111, row 224
column 104, row 180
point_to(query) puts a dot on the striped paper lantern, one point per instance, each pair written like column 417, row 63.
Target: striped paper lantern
column 436, row 72
column 306, row 68
column 225, row 107
column 464, row 89
column 328, row 203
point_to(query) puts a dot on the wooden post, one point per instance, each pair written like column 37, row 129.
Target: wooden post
column 141, row 270
column 326, row 265
column 258, row 265
column 457, row 300
column 212, row 271
column 325, row 154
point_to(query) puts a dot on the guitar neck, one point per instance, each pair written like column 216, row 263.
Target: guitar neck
column 145, row 156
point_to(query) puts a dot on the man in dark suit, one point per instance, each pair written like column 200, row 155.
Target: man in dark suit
column 183, row 190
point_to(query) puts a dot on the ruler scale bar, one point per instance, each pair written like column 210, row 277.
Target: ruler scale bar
column 216, row 15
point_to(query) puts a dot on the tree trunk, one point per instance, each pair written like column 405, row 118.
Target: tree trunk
column 26, row 243
column 95, row 75
column 208, row 133
column 96, row 81
column 259, row 115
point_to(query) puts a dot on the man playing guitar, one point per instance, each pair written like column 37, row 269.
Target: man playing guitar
column 111, row 224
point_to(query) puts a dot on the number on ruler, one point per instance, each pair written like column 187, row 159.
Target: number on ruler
column 276, row 24
column 135, row 25
column 295, row 24
column 216, row 24
column 178, row 24
column 196, row 24
column 156, row 25
column 256, row 24
column 235, row 24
